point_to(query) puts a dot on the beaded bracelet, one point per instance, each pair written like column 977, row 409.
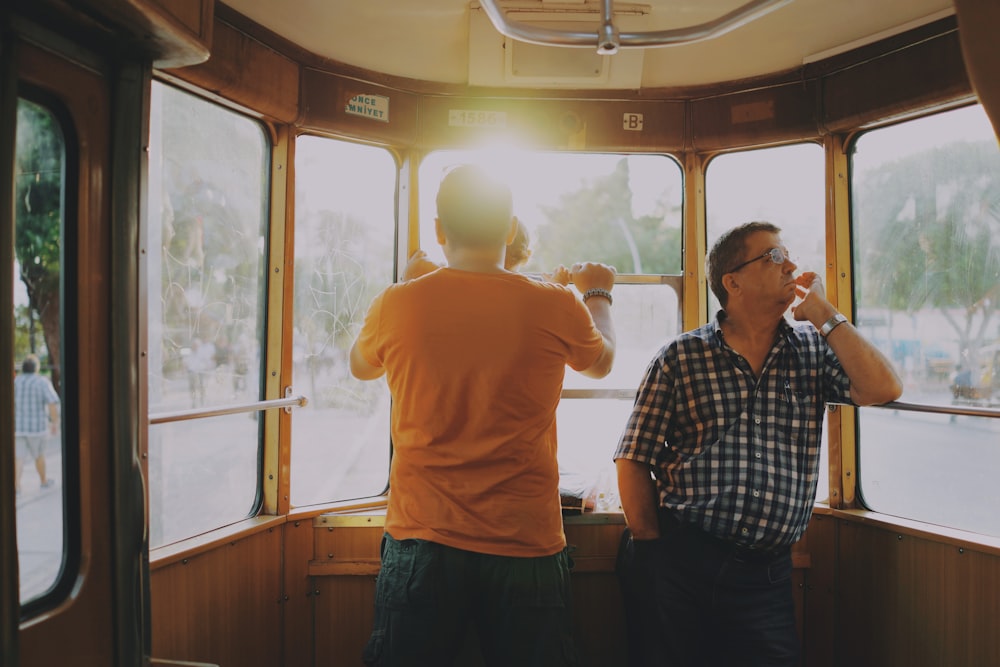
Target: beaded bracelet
column 597, row 291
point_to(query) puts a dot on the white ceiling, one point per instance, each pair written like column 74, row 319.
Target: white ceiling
column 429, row 39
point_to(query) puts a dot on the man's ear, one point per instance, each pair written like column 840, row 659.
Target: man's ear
column 439, row 231
column 731, row 283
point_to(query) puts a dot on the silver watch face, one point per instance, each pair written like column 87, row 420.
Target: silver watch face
column 831, row 323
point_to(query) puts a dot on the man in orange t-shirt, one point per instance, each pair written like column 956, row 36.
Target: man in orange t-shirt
column 474, row 356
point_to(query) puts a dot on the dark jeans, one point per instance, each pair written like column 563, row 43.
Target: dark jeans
column 692, row 600
column 428, row 593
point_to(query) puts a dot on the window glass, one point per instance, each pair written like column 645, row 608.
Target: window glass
column 645, row 317
column 589, row 424
column 784, row 186
column 926, row 210
column 208, row 204
column 345, row 229
column 38, row 383
column 622, row 210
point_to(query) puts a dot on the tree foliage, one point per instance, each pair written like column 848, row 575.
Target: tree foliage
column 931, row 237
column 38, row 213
column 597, row 223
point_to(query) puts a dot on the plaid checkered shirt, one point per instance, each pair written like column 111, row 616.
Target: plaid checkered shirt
column 736, row 455
column 32, row 395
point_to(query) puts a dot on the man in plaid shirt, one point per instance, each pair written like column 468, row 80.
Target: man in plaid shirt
column 718, row 464
column 36, row 415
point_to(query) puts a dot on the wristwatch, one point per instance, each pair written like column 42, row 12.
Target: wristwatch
column 831, row 324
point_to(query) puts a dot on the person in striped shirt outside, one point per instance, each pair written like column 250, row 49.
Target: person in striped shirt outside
column 36, row 416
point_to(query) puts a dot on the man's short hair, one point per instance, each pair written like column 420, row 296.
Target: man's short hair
column 30, row 364
column 729, row 251
column 474, row 208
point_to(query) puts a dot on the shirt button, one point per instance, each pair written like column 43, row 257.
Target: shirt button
column 756, row 420
column 756, row 493
column 756, row 455
column 745, row 531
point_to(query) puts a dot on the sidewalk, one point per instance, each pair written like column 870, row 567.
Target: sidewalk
column 40, row 524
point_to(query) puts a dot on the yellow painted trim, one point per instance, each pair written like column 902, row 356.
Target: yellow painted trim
column 838, row 281
column 695, row 296
column 275, row 379
column 409, row 171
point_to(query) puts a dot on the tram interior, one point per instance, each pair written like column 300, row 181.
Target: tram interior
column 292, row 583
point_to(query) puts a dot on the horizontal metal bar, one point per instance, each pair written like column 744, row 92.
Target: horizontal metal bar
column 621, row 394
column 968, row 411
column 607, row 39
column 256, row 406
column 964, row 410
column 629, row 278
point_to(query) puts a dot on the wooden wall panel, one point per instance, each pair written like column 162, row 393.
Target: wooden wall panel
column 978, row 20
column 930, row 72
column 816, row 613
column 325, row 107
column 172, row 33
column 905, row 600
column 346, row 562
column 222, row 606
column 248, row 73
column 755, row 117
column 344, row 603
column 598, row 614
column 298, row 593
column 612, row 125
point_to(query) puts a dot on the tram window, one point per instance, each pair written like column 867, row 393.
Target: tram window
column 208, row 204
column 623, row 210
column 926, row 207
column 783, row 185
column 39, row 380
column 345, row 226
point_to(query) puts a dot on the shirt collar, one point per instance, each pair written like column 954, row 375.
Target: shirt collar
column 784, row 328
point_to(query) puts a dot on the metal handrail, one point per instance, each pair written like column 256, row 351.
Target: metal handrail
column 961, row 410
column 607, row 39
column 256, row 406
column 967, row 411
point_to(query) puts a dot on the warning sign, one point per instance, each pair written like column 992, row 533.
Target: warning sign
column 375, row 107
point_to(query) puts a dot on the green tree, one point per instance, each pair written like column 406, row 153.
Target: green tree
column 597, row 223
column 38, row 212
column 931, row 237
column 24, row 332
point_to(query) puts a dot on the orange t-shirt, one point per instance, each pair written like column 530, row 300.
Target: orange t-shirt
column 475, row 365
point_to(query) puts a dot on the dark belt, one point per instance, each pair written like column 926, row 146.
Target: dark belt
column 671, row 525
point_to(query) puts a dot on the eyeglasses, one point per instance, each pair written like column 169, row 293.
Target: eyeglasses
column 777, row 255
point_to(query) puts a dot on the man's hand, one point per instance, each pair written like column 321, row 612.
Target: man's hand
column 559, row 275
column 418, row 265
column 593, row 275
column 814, row 307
